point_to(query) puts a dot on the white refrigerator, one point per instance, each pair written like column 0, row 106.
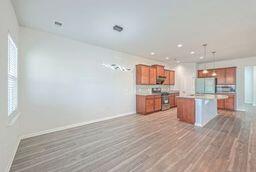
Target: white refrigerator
column 205, row 85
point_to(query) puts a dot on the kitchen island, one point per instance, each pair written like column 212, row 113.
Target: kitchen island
column 198, row 109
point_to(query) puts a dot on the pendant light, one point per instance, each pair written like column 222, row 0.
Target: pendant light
column 205, row 71
column 214, row 72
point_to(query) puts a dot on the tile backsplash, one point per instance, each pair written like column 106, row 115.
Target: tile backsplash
column 147, row 89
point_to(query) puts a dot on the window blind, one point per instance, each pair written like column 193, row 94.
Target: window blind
column 12, row 76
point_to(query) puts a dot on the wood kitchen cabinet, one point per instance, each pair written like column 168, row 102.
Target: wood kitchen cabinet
column 221, row 104
column 227, row 104
column 200, row 74
column 159, row 70
column 152, row 76
column 209, row 74
column 186, row 110
column 158, row 103
column 225, row 76
column 142, row 74
column 149, row 105
column 231, row 76
column 221, row 76
column 172, row 100
column 172, row 77
column 167, row 75
column 230, row 102
column 146, row 104
column 175, row 99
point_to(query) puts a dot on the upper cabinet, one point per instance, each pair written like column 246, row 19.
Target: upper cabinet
column 172, row 77
column 152, row 76
column 200, row 74
column 167, row 75
column 221, row 76
column 142, row 74
column 147, row 75
column 225, row 76
column 231, row 76
column 159, row 70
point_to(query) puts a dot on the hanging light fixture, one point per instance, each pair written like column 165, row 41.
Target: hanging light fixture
column 214, row 72
column 205, row 71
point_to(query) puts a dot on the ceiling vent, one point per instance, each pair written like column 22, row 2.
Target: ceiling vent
column 118, row 28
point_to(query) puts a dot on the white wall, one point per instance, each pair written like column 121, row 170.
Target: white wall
column 9, row 134
column 185, row 78
column 64, row 82
column 240, row 64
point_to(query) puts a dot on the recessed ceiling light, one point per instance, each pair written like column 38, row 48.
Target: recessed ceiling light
column 192, row 52
column 202, row 57
column 167, row 58
column 179, row 45
column 152, row 53
column 58, row 24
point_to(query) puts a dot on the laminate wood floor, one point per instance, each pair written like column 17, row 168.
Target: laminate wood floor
column 156, row 142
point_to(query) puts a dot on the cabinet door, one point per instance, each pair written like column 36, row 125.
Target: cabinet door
column 200, row 74
column 159, row 70
column 152, row 76
column 175, row 99
column 142, row 75
column 231, row 76
column 167, row 75
column 230, row 103
column 172, row 100
column 172, row 77
column 209, row 74
column 158, row 103
column 179, row 109
column 221, row 104
column 150, row 105
column 221, row 76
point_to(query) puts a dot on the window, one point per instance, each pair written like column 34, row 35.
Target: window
column 250, row 85
column 12, row 76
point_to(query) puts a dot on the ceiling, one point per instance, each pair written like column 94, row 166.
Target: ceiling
column 227, row 26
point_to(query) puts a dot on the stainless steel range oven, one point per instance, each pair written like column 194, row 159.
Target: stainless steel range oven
column 164, row 96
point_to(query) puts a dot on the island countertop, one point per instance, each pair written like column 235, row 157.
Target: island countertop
column 204, row 96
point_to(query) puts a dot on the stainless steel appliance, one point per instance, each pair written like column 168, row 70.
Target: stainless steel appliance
column 205, row 85
column 165, row 101
column 226, row 88
column 156, row 90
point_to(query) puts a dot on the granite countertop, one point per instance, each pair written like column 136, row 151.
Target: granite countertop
column 205, row 96
column 153, row 94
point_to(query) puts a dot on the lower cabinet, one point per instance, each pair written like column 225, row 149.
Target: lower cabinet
column 158, row 103
column 186, row 110
column 173, row 99
column 148, row 104
column 227, row 104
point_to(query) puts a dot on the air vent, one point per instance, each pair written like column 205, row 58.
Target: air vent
column 118, row 28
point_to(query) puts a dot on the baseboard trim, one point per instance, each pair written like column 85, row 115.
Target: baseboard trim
column 73, row 125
